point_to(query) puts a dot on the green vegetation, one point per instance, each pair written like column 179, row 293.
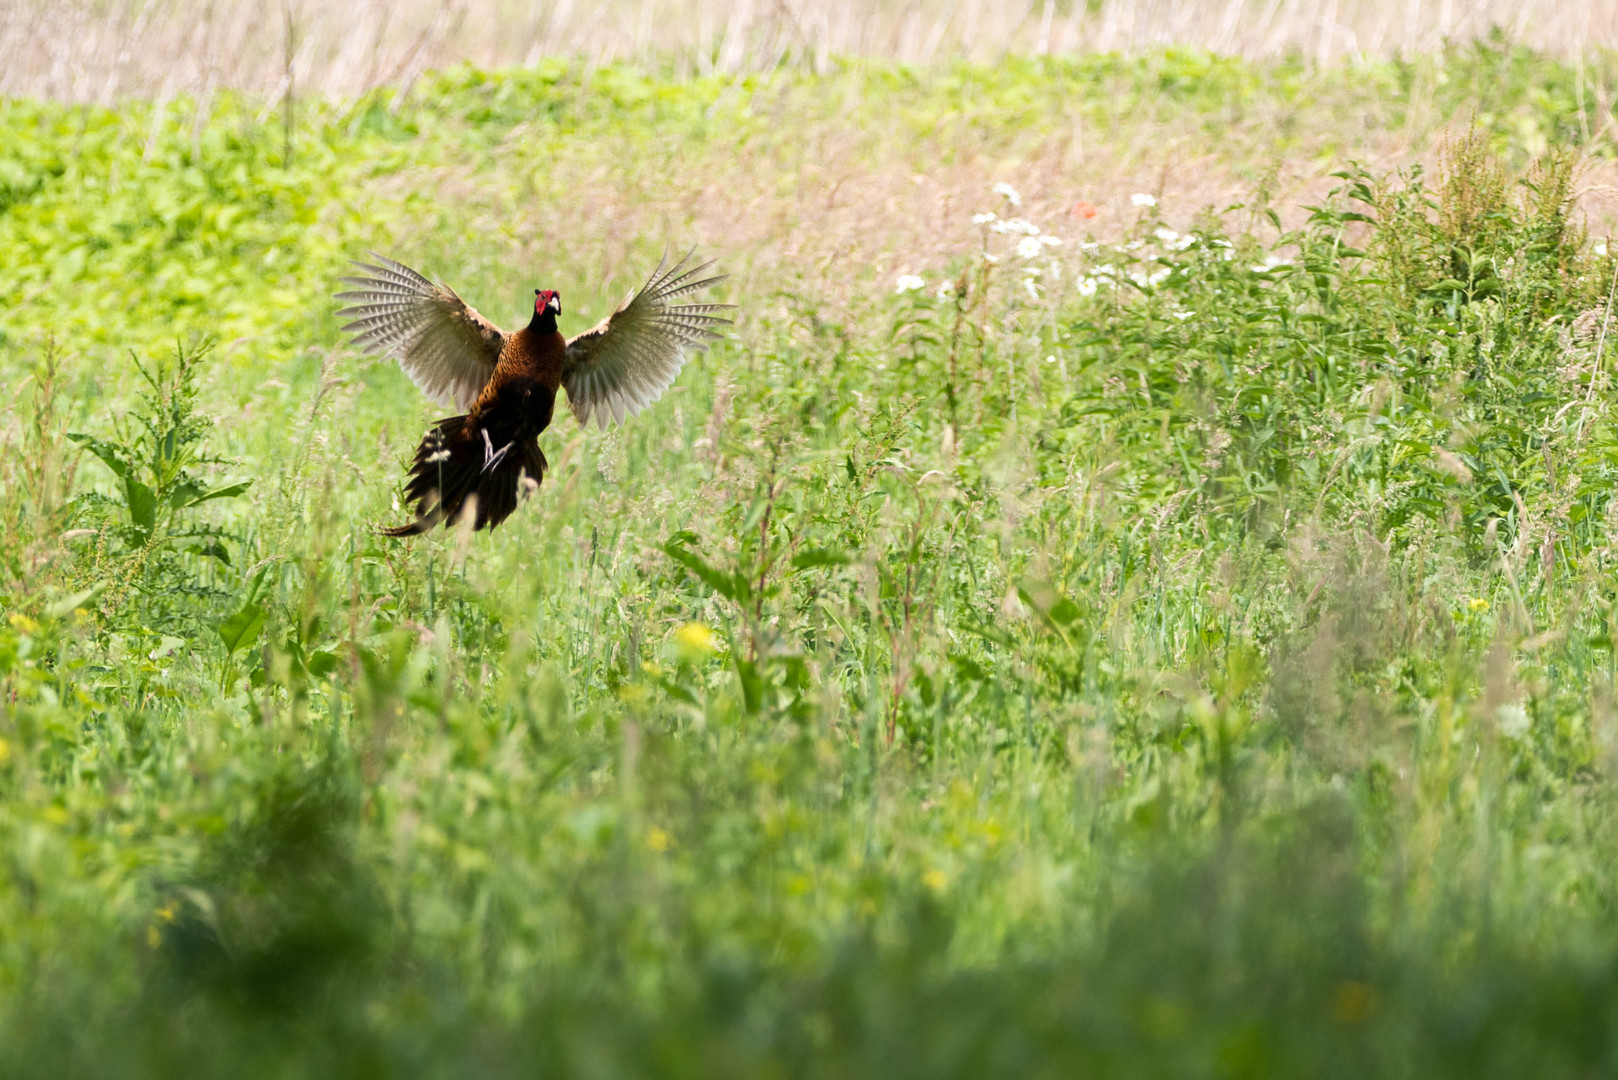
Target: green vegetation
column 1188, row 651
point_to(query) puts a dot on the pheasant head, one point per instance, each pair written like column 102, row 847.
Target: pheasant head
column 547, row 306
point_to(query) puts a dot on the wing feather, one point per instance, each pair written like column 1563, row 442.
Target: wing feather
column 631, row 357
column 442, row 343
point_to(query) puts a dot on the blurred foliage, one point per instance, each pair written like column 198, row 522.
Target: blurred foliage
column 1186, row 655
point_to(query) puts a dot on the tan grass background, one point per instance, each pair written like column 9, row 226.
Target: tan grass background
column 99, row 50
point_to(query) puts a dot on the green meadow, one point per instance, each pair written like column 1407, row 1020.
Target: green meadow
column 1151, row 618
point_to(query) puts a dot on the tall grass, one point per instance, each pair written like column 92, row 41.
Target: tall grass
column 1184, row 648
column 100, row 52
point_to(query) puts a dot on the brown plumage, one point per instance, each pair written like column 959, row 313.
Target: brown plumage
column 480, row 462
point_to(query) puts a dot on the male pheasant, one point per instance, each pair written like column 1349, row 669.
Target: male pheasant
column 474, row 464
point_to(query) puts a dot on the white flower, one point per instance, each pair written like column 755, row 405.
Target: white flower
column 1270, row 263
column 1048, row 240
column 1033, row 290
column 1142, row 199
column 1182, row 315
column 1183, row 242
column 1107, row 270
column 1009, row 192
column 909, row 283
column 1089, row 246
column 982, row 219
column 1016, row 225
column 1600, row 247
column 946, row 290
column 1051, row 359
column 1087, row 286
column 1029, row 246
column 1168, row 236
column 1151, row 280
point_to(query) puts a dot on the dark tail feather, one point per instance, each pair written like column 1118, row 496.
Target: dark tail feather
column 449, row 469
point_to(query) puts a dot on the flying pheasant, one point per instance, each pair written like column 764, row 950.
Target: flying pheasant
column 506, row 383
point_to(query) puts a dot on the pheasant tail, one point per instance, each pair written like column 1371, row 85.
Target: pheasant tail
column 457, row 470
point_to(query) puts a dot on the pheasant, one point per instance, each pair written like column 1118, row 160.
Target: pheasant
column 475, row 464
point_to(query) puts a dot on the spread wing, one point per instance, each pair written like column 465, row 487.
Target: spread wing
column 443, row 344
column 628, row 360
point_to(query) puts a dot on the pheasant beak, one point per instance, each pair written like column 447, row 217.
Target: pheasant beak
column 547, row 302
column 554, row 305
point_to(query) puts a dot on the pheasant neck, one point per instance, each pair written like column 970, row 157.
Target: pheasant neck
column 543, row 322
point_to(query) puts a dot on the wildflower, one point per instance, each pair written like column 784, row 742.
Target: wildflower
column 696, row 637
column 1600, row 247
column 984, row 218
column 1142, row 199
column 1009, row 192
column 1168, row 236
column 1087, row 286
column 935, row 880
column 1477, row 603
column 658, row 839
column 1182, row 315
column 1048, row 240
column 1029, row 246
column 1107, row 270
column 1084, row 210
column 1033, row 290
column 1270, row 263
column 946, row 290
column 909, row 283
column 1016, row 225
column 1183, row 242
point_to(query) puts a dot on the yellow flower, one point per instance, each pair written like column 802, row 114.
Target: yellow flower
column 934, row 879
column 1477, row 603
column 154, row 936
column 696, row 637
column 658, row 840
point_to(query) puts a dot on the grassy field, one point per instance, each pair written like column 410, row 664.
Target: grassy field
column 1130, row 598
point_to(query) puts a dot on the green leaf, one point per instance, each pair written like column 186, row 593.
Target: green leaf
column 229, row 491
column 240, row 630
column 142, row 505
column 720, row 582
column 213, row 549
column 813, row 557
column 1065, row 612
column 105, row 451
column 69, row 604
column 322, row 663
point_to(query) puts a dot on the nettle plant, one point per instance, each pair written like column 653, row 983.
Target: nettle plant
column 164, row 567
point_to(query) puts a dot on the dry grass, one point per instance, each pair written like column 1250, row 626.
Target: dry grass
column 97, row 50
